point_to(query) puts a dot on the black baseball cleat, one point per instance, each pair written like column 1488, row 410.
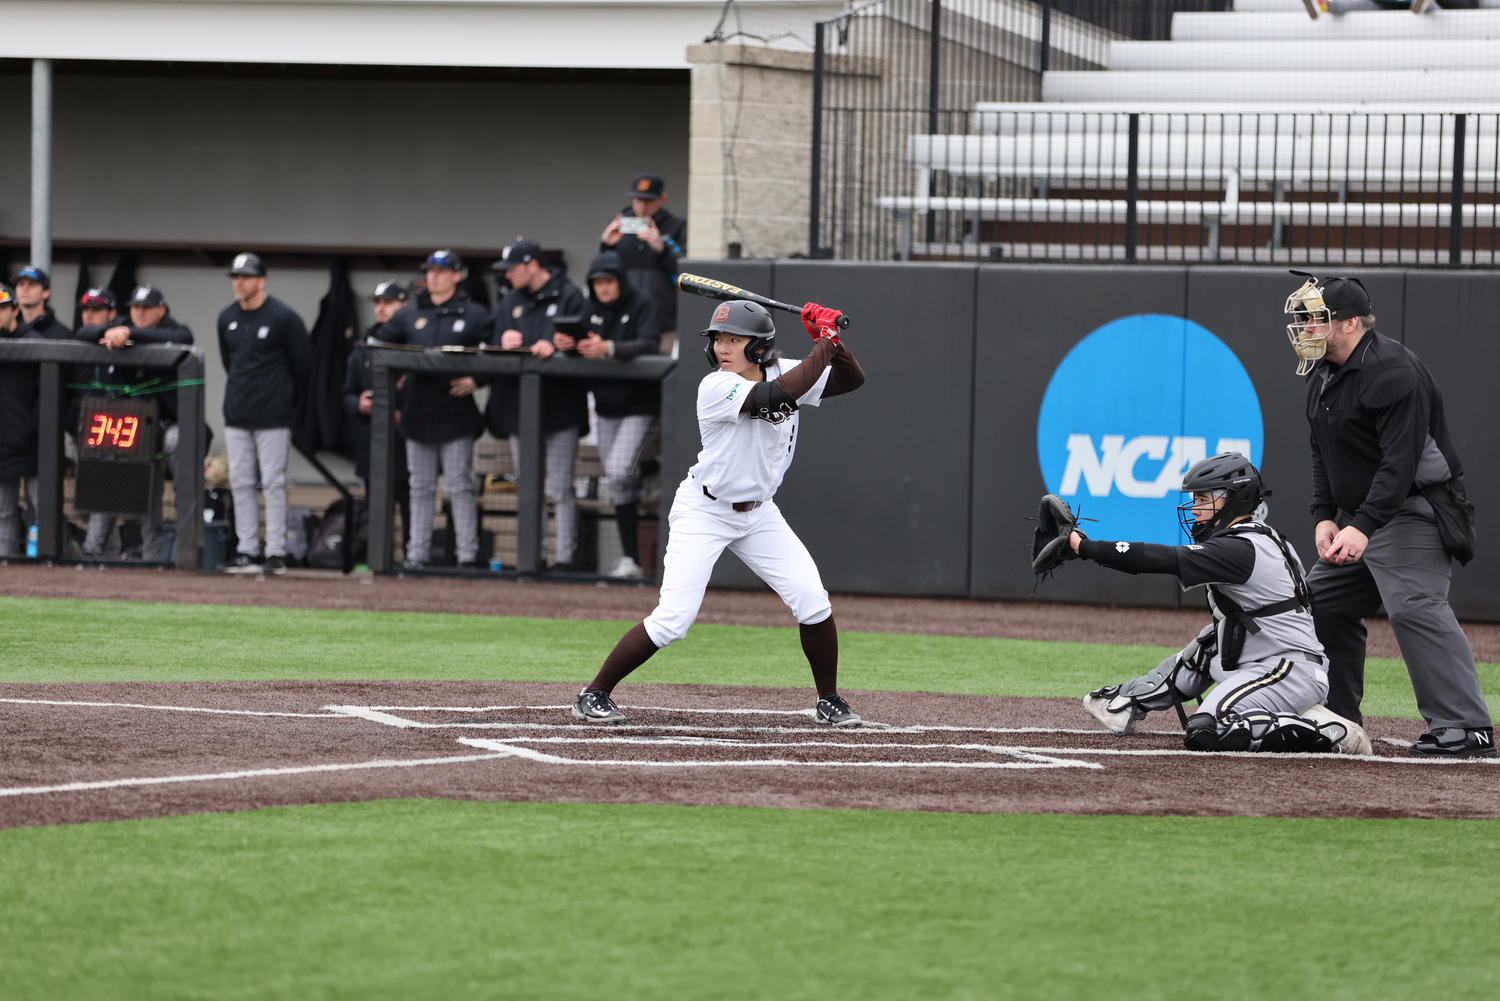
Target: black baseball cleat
column 1455, row 742
column 243, row 563
column 834, row 711
column 274, row 565
column 596, row 707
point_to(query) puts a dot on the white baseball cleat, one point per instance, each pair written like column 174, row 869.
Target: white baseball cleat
column 626, row 567
column 1121, row 722
column 1354, row 741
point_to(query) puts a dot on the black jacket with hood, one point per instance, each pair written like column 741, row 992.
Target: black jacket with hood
column 565, row 403
column 19, row 395
column 630, row 325
column 431, row 414
column 652, row 271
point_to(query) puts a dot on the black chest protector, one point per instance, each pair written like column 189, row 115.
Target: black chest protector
column 1239, row 622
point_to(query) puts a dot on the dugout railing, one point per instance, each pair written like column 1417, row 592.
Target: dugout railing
column 55, row 361
column 386, row 366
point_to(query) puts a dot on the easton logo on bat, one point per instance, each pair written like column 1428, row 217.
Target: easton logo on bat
column 710, row 283
column 1130, row 408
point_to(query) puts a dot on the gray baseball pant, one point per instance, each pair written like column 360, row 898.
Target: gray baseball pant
column 619, row 439
column 562, row 453
column 1406, row 568
column 265, row 449
column 11, row 531
column 100, row 523
column 423, row 461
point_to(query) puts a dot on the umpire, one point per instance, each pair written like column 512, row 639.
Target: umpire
column 1385, row 477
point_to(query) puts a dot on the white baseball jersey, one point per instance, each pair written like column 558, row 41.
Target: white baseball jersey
column 744, row 458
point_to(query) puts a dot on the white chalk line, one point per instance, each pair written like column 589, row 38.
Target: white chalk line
column 175, row 709
column 1027, row 760
column 252, row 773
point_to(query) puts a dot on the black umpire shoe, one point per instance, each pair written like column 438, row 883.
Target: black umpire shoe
column 834, row 711
column 596, row 707
column 274, row 564
column 1455, row 742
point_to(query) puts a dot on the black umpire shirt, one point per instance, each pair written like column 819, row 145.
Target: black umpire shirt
column 429, row 412
column 1378, row 432
column 566, row 401
column 268, row 357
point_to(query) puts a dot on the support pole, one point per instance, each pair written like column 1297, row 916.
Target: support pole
column 382, row 465
column 1044, row 59
column 1132, row 186
column 187, row 468
column 53, row 404
column 934, row 87
column 531, row 473
column 41, row 164
column 1456, row 220
column 815, row 176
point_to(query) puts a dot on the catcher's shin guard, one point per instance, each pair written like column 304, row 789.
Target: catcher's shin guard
column 1287, row 733
column 1206, row 732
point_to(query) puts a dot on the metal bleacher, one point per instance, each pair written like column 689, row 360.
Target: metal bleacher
column 1230, row 128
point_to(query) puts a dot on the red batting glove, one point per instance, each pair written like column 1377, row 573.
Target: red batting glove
column 821, row 322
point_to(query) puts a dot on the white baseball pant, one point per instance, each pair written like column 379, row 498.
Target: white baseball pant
column 701, row 529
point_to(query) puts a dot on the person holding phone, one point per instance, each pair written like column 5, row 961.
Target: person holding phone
column 650, row 241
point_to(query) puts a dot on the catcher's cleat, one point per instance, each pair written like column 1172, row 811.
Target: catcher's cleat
column 1455, row 742
column 1122, row 721
column 832, row 710
column 1354, row 740
column 597, row 707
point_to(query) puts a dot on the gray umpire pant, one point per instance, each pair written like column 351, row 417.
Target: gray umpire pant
column 562, row 453
column 264, row 449
column 423, row 461
column 11, row 531
column 1406, row 568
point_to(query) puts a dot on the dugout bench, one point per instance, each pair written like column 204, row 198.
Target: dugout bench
column 388, row 363
column 55, row 360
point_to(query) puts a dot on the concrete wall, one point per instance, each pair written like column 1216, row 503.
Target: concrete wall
column 282, row 160
column 920, row 483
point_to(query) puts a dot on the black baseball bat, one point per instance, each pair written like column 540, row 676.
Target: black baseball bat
column 709, row 288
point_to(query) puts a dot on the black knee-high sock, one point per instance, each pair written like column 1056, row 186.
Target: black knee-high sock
column 821, row 644
column 633, row 650
column 625, row 520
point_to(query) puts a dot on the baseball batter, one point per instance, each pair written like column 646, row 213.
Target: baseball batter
column 1261, row 650
column 748, row 416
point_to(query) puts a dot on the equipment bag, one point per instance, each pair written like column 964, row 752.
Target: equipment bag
column 1455, row 517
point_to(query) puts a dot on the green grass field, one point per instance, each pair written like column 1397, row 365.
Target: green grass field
column 442, row 899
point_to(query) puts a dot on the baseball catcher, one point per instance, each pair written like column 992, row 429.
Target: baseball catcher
column 1260, row 650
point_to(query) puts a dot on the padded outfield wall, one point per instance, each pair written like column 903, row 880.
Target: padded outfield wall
column 991, row 384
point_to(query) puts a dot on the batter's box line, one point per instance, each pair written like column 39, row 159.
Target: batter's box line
column 1026, row 760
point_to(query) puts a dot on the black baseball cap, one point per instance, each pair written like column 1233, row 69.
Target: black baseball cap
column 248, row 264
column 518, row 253
column 443, row 259
column 97, row 298
column 647, row 186
column 390, row 290
column 35, row 274
column 1344, row 297
column 147, row 295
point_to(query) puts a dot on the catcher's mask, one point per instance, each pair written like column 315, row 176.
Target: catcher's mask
column 743, row 319
column 1229, row 475
column 1314, row 307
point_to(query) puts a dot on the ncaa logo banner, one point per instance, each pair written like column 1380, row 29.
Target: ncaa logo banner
column 1130, row 408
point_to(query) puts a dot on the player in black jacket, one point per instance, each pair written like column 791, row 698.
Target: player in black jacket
column 359, row 401
column 1381, row 458
column 651, row 256
column 151, row 322
column 524, row 320
column 438, row 415
column 266, row 352
column 620, row 322
column 18, row 433
column 33, row 289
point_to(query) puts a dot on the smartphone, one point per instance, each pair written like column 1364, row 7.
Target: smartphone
column 633, row 226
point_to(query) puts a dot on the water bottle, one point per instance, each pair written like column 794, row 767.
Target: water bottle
column 496, row 566
column 31, row 541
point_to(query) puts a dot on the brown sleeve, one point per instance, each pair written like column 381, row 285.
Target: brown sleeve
column 802, row 378
column 846, row 376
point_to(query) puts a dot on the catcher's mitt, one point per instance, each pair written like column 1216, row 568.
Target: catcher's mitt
column 1055, row 522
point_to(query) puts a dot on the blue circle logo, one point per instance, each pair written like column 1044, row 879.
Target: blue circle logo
column 1131, row 407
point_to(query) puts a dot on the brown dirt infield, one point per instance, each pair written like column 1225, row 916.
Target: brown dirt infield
column 678, row 753
column 683, row 753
